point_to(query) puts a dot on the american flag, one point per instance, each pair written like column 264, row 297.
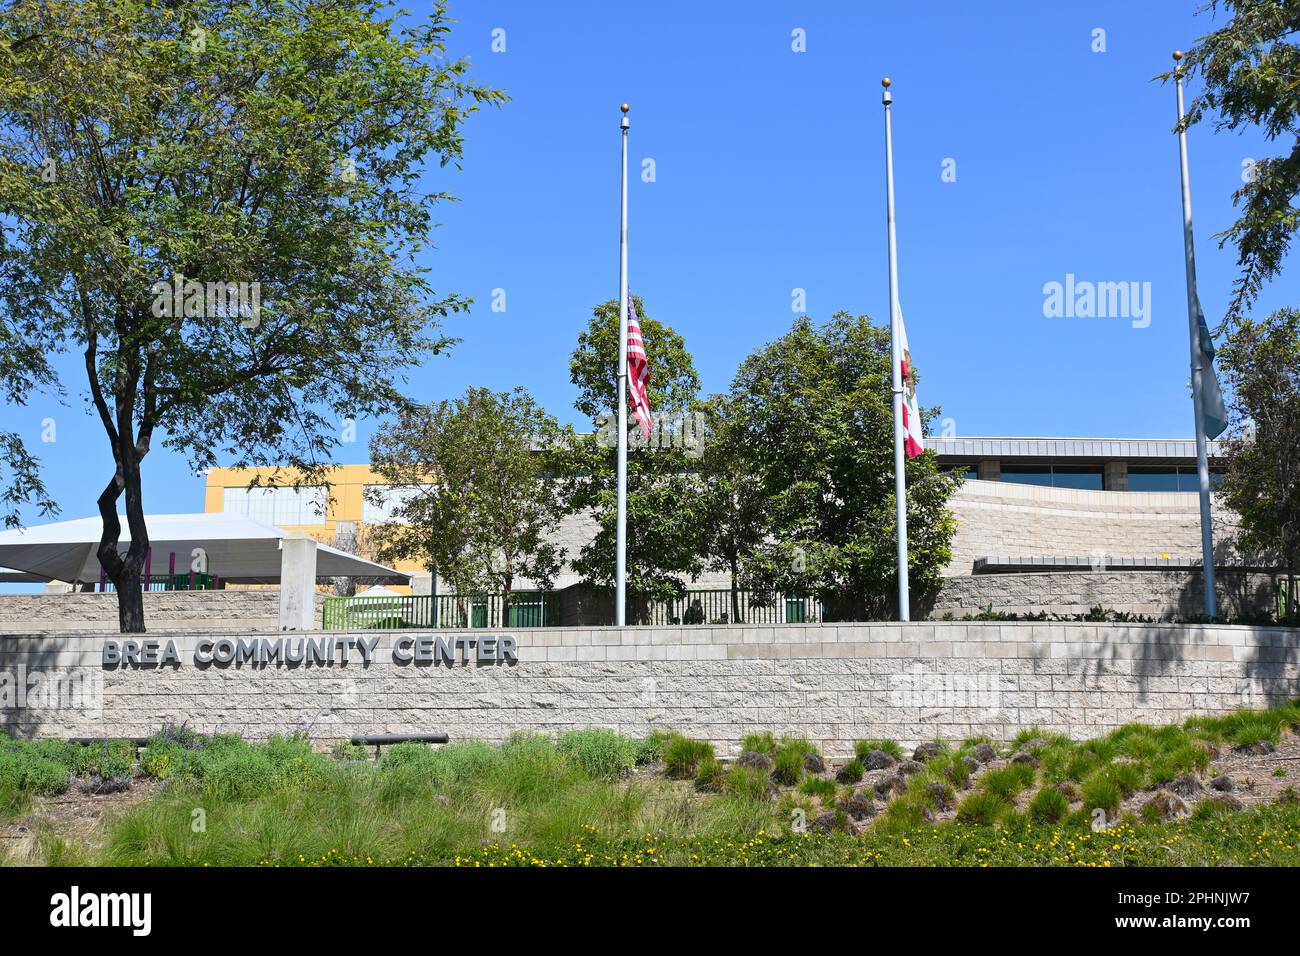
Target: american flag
column 638, row 370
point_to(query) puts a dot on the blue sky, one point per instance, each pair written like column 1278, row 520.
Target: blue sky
column 770, row 177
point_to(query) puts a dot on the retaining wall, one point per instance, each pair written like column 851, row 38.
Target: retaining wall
column 832, row 683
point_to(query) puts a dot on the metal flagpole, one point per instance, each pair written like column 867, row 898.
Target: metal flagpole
column 620, row 598
column 895, row 350
column 1198, row 394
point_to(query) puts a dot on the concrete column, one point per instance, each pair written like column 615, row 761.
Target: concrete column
column 1116, row 476
column 297, row 582
column 990, row 470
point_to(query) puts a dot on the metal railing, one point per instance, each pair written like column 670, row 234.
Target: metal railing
column 527, row 609
column 542, row 609
column 723, row 606
column 170, row 582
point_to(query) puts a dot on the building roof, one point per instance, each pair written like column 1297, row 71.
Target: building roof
column 239, row 550
column 1063, row 449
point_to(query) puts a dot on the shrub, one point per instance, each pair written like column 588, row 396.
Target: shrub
column 162, row 759
column 346, row 750
column 602, row 754
column 406, row 754
column 682, row 755
column 891, row 747
column 44, row 777
column 1049, row 805
column 239, row 774
column 983, row 808
column 709, row 776
column 759, row 743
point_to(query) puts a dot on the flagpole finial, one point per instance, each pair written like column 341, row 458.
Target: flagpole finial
column 623, row 124
column 625, row 107
column 1178, row 55
column 888, row 97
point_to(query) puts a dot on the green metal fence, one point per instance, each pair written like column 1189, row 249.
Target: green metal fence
column 527, row 609
column 542, row 609
column 378, row 613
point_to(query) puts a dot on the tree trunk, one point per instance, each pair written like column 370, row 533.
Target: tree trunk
column 506, row 589
column 124, row 570
column 735, row 597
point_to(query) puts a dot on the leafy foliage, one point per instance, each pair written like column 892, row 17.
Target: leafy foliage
column 223, row 142
column 1249, row 68
column 813, row 410
column 1262, row 484
column 477, row 501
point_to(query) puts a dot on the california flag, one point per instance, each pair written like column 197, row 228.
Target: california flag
column 913, row 440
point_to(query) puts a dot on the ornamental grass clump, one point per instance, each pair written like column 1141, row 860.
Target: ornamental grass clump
column 602, row 754
column 1049, row 805
column 891, row 747
column 683, row 755
column 788, row 763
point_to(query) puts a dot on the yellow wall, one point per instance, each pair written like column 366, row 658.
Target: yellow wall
column 347, row 487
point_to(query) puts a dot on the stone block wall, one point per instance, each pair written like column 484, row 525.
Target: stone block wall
column 832, row 683
column 1173, row 595
column 164, row 611
column 1003, row 518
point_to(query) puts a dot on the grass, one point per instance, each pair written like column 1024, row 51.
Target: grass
column 891, row 747
column 579, row 799
column 683, row 755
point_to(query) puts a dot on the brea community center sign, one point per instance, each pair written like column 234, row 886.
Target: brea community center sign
column 428, row 650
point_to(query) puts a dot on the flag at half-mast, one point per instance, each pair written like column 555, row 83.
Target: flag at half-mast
column 913, row 440
column 1214, row 415
column 638, row 370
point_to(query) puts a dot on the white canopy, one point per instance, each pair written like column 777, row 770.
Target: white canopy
column 239, row 550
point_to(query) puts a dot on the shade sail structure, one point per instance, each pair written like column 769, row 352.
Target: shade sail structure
column 239, row 550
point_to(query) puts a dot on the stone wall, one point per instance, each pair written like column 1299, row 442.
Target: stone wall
column 834, row 684
column 251, row 609
column 1164, row 595
column 1003, row 518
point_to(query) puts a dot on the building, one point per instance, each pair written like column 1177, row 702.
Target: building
column 1056, row 524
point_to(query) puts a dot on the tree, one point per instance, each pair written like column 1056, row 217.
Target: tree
column 665, row 492
column 1262, row 480
column 736, row 522
column 1249, row 68
column 24, row 369
column 218, row 204
column 477, row 501
column 813, row 410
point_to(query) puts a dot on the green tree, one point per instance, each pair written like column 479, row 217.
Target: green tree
column 1249, row 68
column 814, row 412
column 736, row 522
column 1262, row 480
column 665, row 492
column 199, row 146
column 476, row 499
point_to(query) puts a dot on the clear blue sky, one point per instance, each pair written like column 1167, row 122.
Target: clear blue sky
column 770, row 176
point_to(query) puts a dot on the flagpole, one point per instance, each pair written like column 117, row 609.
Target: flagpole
column 900, row 485
column 1198, row 396
column 620, row 596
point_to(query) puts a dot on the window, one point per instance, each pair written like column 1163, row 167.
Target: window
column 1169, row 478
column 1086, row 477
column 390, row 501
column 277, row 506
